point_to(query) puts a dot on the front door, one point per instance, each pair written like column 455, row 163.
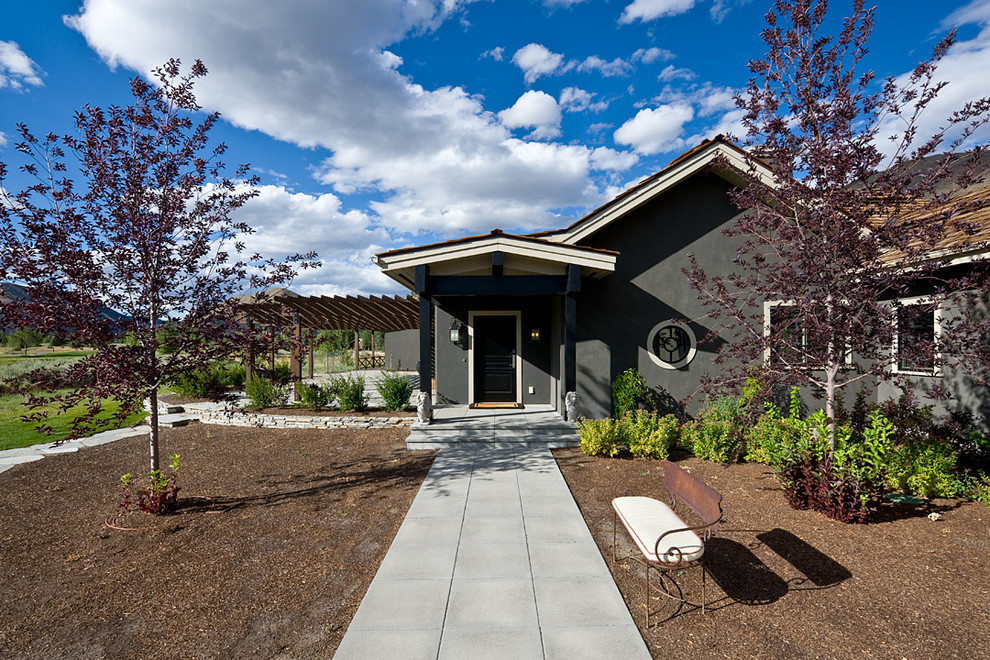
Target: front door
column 494, row 359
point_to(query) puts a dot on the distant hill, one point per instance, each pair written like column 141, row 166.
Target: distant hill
column 10, row 292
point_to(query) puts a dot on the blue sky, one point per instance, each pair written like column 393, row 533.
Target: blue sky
column 378, row 124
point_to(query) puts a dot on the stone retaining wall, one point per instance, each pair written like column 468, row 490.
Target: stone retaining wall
column 260, row 420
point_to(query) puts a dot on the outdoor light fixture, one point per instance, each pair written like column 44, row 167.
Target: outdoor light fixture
column 534, row 334
column 455, row 331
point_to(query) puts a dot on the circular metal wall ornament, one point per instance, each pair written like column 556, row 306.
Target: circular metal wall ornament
column 672, row 344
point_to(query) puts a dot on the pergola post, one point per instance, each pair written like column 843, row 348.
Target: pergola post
column 249, row 357
column 357, row 349
column 312, row 342
column 295, row 354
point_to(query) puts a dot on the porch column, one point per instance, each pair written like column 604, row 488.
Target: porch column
column 425, row 348
column 357, row 350
column 570, row 328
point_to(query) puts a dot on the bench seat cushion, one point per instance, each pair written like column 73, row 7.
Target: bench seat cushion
column 646, row 519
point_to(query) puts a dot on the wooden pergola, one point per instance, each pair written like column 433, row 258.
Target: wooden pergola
column 357, row 313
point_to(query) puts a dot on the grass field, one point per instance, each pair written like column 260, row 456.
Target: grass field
column 14, row 432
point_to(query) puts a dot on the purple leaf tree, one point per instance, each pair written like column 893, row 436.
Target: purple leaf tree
column 152, row 233
column 847, row 223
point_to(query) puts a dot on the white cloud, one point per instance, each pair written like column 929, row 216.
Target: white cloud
column 964, row 69
column 16, row 68
column 534, row 109
column 651, row 55
column 537, row 60
column 575, row 99
column 647, row 10
column 617, row 67
column 318, row 75
column 604, row 158
column 655, row 130
column 496, row 53
column 3, row 139
column 671, row 72
column 561, row 3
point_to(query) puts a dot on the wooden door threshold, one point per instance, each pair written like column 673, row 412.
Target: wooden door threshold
column 504, row 406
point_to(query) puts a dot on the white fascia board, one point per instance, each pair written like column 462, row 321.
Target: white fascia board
column 667, row 181
column 547, row 252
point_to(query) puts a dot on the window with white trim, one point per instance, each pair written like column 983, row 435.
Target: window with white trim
column 796, row 347
column 916, row 337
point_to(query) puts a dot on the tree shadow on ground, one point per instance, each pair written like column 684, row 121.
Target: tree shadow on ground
column 326, row 480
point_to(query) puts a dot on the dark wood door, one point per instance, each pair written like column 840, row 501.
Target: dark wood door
column 494, row 359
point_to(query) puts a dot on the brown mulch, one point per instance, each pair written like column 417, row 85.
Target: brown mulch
column 793, row 584
column 277, row 561
column 274, row 565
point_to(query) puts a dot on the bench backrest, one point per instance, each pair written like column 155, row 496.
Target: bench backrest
column 702, row 498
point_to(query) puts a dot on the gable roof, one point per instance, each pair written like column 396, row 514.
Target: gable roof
column 400, row 264
column 719, row 155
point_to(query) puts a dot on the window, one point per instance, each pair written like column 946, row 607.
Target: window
column 915, row 343
column 671, row 344
column 797, row 346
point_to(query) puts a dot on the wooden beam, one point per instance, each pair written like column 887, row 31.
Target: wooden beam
column 484, row 285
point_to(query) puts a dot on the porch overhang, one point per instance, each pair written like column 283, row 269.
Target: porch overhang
column 495, row 263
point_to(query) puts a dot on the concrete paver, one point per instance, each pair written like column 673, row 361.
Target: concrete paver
column 493, row 560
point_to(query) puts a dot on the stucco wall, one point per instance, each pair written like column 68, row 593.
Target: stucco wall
column 617, row 313
column 402, row 350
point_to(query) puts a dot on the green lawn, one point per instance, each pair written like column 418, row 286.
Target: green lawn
column 16, row 433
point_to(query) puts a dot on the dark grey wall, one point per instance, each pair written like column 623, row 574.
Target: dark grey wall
column 617, row 313
column 402, row 350
column 452, row 360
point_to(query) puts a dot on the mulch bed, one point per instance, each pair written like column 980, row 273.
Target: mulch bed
column 274, row 565
column 793, row 584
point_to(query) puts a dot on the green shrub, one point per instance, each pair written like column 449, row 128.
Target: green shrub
column 316, row 397
column 350, row 393
column 396, row 391
column 772, row 438
column 714, row 434
column 650, row 436
column 600, row 437
column 263, row 393
column 209, row 382
column 927, row 469
column 979, row 488
column 629, row 390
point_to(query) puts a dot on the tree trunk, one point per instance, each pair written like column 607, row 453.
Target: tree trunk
column 153, row 433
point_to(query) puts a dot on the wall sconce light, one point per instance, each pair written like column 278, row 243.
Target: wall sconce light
column 534, row 334
column 455, row 331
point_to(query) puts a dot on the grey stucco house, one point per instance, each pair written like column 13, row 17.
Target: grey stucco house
column 523, row 319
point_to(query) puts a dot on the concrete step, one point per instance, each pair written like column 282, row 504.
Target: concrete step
column 432, row 438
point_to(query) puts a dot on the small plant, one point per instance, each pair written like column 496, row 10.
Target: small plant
column 979, row 488
column 396, row 391
column 160, row 496
column 600, row 437
column 714, row 434
column 209, row 382
column 263, row 393
column 650, row 436
column 315, row 397
column 629, row 390
column 350, row 394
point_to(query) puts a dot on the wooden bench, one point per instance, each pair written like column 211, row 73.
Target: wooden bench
column 665, row 541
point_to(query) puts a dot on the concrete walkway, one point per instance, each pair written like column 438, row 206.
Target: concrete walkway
column 11, row 457
column 454, row 426
column 493, row 560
